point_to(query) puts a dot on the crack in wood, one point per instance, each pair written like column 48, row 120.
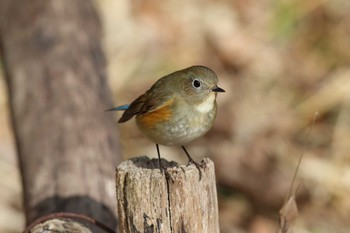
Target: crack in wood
column 167, row 180
column 125, row 204
column 133, row 227
column 147, row 228
column 183, row 230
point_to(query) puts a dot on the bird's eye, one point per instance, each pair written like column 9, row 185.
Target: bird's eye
column 196, row 83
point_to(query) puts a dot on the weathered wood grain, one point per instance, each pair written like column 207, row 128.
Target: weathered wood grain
column 174, row 201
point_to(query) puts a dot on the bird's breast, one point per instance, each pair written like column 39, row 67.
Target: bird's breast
column 177, row 125
column 207, row 105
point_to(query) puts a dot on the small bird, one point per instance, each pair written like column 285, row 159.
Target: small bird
column 177, row 109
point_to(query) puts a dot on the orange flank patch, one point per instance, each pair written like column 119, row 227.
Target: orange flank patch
column 150, row 119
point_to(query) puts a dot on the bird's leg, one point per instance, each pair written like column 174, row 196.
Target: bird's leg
column 191, row 161
column 159, row 161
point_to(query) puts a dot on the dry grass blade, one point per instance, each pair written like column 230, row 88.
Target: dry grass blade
column 288, row 215
column 289, row 211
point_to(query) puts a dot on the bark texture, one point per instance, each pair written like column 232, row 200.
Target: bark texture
column 55, row 70
column 174, row 201
column 60, row 225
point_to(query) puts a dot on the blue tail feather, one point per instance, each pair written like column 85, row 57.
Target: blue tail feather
column 119, row 108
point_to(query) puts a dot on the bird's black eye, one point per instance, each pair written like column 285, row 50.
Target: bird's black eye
column 196, row 83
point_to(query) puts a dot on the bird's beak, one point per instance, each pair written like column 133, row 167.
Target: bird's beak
column 217, row 89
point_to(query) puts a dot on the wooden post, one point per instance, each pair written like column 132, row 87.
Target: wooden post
column 173, row 201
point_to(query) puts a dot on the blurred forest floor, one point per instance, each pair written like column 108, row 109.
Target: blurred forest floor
column 280, row 62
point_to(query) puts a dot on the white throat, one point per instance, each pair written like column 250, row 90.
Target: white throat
column 207, row 105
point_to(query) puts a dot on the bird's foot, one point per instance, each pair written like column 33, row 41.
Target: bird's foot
column 198, row 166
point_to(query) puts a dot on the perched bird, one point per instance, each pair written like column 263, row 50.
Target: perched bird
column 177, row 109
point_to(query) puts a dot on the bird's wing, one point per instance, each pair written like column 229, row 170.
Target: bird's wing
column 145, row 103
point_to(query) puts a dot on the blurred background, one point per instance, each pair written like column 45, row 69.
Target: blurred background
column 280, row 62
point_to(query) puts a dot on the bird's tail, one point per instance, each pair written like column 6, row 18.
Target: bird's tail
column 119, row 108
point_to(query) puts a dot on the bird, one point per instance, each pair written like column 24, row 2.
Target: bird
column 177, row 109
